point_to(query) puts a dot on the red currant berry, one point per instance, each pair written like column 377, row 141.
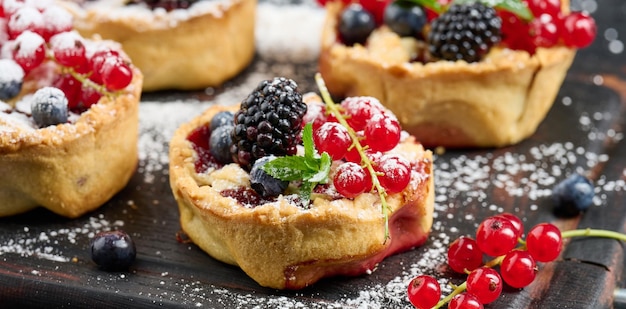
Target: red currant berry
column 484, row 283
column 465, row 301
column 71, row 88
column 424, row 292
column 332, row 138
column 359, row 110
column 69, row 50
column 89, row 96
column 464, row 255
column 56, row 20
column 382, row 132
column 9, row 7
column 25, row 19
column 516, row 221
column 579, row 30
column 116, row 74
column 376, row 7
column 544, row 242
column 518, row 269
column 395, row 172
column 96, row 61
column 315, row 114
column 544, row 31
column 550, row 7
column 351, row 180
column 496, row 236
column 29, row 51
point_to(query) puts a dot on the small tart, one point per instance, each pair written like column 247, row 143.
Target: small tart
column 69, row 168
column 280, row 244
column 498, row 101
column 201, row 46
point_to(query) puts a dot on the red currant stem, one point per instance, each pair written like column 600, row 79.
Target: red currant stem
column 334, row 109
column 83, row 78
column 457, row 290
column 461, row 288
column 565, row 234
column 593, row 233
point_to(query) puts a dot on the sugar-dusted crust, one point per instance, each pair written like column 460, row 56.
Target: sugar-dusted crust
column 283, row 246
column 195, row 48
column 74, row 168
column 496, row 102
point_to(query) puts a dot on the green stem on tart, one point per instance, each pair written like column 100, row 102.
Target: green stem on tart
column 334, row 109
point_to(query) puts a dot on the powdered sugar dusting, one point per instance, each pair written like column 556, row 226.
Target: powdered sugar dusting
column 28, row 43
column 10, row 71
column 31, row 242
column 465, row 181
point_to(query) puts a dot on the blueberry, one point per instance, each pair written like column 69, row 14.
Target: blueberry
column 220, row 142
column 572, row 195
column 405, row 19
column 222, row 118
column 49, row 107
column 11, row 79
column 264, row 184
column 113, row 250
column 355, row 24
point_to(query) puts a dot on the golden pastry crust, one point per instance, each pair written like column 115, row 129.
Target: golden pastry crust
column 192, row 51
column 71, row 168
column 495, row 102
column 283, row 246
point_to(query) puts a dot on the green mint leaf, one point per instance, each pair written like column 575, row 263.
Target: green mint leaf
column 307, row 142
column 305, row 192
column 430, row 4
column 287, row 168
column 324, row 169
column 516, row 7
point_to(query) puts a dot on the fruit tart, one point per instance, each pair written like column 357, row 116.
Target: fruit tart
column 281, row 185
column 457, row 74
column 185, row 45
column 68, row 114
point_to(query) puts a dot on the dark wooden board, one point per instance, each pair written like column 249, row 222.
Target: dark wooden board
column 45, row 261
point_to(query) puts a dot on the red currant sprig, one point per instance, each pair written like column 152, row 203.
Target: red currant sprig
column 518, row 267
column 368, row 165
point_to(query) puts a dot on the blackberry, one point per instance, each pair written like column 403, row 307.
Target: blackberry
column 268, row 122
column 465, row 32
column 168, row 5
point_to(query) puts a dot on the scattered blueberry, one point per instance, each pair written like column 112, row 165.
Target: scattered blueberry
column 573, row 195
column 220, row 142
column 264, row 184
column 405, row 19
column 11, row 79
column 355, row 24
column 49, row 107
column 113, row 250
column 222, row 118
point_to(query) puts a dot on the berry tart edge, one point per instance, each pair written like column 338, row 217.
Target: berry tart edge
column 304, row 245
column 432, row 99
column 62, row 167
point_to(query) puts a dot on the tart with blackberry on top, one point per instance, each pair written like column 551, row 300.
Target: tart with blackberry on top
column 457, row 73
column 282, row 185
column 186, row 45
column 68, row 114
